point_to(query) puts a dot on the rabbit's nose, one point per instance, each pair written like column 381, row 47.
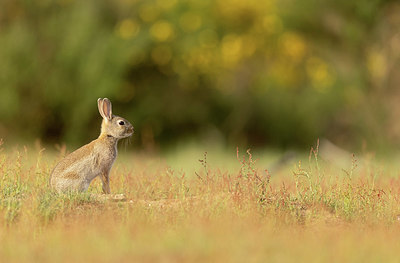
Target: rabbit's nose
column 131, row 129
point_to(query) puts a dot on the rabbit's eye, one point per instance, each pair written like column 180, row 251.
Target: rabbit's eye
column 121, row 123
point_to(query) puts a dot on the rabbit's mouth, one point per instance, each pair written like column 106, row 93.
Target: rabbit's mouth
column 130, row 130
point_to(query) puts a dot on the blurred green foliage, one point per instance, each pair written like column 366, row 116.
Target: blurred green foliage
column 236, row 72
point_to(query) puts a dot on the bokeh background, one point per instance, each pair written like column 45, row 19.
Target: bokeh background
column 255, row 73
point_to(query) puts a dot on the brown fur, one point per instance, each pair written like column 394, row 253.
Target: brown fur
column 76, row 155
column 71, row 175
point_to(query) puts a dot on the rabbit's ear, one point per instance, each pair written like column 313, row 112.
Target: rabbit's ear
column 100, row 106
column 107, row 109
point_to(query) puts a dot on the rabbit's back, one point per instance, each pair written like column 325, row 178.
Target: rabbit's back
column 79, row 168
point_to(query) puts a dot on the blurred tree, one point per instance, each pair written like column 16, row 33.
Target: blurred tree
column 242, row 72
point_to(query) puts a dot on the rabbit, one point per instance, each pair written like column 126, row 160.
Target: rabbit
column 75, row 171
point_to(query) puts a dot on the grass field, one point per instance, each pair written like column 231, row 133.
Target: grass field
column 193, row 206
